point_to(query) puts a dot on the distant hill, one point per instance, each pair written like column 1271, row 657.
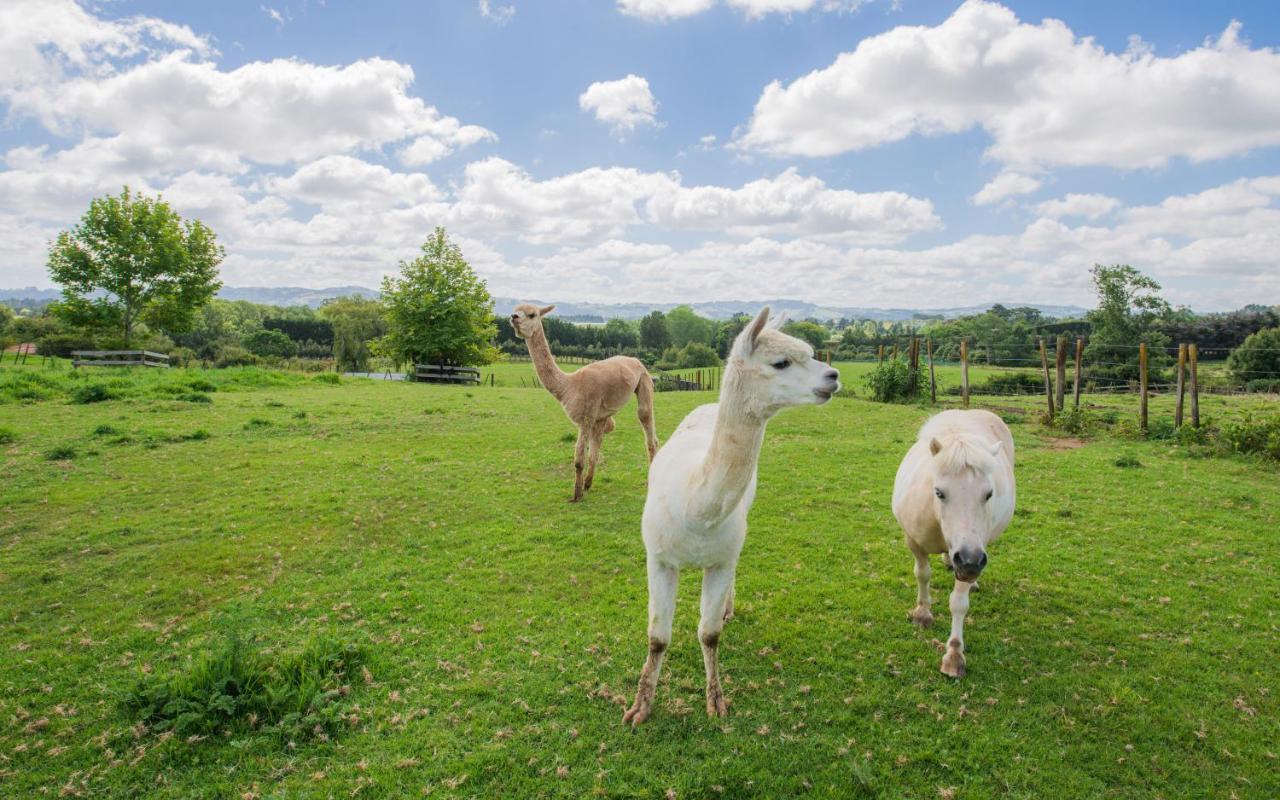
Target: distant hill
column 719, row 309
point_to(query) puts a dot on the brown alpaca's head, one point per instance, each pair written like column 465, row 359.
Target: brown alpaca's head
column 527, row 318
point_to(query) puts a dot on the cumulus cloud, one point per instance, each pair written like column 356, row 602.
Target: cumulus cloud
column 498, row 13
column 1045, row 96
column 623, row 104
column 1004, row 186
column 1089, row 206
column 663, row 10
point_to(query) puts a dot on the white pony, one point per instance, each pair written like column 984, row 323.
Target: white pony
column 701, row 486
column 954, row 494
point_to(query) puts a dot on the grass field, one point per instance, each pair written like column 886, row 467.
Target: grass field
column 1123, row 643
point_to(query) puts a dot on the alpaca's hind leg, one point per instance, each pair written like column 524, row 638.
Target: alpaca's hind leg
column 644, row 410
column 663, row 581
column 717, row 589
column 953, row 661
column 921, row 615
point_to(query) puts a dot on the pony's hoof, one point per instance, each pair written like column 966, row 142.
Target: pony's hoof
column 717, row 706
column 921, row 616
column 637, row 714
column 728, row 614
column 953, row 664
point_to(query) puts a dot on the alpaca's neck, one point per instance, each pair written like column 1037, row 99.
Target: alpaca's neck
column 730, row 464
column 544, row 364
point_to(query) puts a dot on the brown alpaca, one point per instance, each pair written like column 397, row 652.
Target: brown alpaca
column 590, row 396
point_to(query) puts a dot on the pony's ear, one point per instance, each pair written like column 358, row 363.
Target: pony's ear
column 935, row 446
column 995, row 448
column 545, row 310
column 745, row 344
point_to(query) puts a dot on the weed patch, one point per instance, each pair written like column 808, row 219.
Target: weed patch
column 7, row 436
column 63, row 452
column 91, row 393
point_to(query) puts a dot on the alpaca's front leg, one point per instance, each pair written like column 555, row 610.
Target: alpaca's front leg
column 953, row 661
column 593, row 450
column 921, row 614
column 717, row 590
column 663, row 581
column 580, row 460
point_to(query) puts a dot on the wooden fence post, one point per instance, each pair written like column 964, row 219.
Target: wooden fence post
column 913, row 362
column 964, row 370
column 895, row 351
column 1079, row 356
column 1048, row 385
column 1195, row 387
column 1059, row 397
column 933, row 379
column 1182, row 369
column 880, row 354
column 1142, row 386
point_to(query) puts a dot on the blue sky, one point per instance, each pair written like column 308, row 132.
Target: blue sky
column 863, row 152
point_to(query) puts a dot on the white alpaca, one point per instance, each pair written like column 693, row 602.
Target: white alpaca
column 701, row 486
column 954, row 494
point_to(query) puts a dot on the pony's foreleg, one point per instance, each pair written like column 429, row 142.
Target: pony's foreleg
column 921, row 615
column 663, row 581
column 717, row 587
column 953, row 661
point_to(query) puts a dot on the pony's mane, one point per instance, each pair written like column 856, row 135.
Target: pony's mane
column 960, row 452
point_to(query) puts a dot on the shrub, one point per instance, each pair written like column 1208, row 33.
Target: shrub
column 232, row 356
column 1074, row 422
column 1010, row 383
column 61, row 344
column 890, row 381
column 7, row 436
column 266, row 342
column 1257, row 357
column 1127, row 462
column 237, row 687
column 1263, row 385
column 201, row 385
column 1258, row 436
column 91, row 393
column 696, row 355
column 63, row 452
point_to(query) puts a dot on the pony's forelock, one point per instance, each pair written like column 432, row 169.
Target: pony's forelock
column 959, row 453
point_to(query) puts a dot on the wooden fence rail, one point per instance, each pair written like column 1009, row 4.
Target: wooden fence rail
column 118, row 358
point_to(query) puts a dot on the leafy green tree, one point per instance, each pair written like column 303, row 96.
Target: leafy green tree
column 653, row 331
column 132, row 260
column 438, row 310
column 1130, row 310
column 1258, row 358
column 697, row 354
column 271, row 343
column 685, row 326
column 617, row 334
column 811, row 332
column 356, row 322
column 728, row 331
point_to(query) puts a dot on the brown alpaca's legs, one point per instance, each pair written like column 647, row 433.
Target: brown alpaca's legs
column 580, row 460
column 644, row 409
column 663, row 581
column 593, row 453
column 717, row 591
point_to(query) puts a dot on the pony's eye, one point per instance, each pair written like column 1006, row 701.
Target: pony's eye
column 990, row 492
column 783, row 364
column 940, row 494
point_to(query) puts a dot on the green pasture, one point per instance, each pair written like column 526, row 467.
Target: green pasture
column 1123, row 643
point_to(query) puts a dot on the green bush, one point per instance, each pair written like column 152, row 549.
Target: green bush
column 63, row 452
column 232, row 356
column 1263, row 385
column 61, row 344
column 890, row 381
column 1074, row 422
column 1010, row 383
column 1127, row 462
column 1257, row 357
column 266, row 342
column 8, row 436
column 91, row 393
column 697, row 355
column 237, row 687
column 1253, row 436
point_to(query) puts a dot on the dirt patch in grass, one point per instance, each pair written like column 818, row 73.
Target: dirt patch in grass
column 1064, row 443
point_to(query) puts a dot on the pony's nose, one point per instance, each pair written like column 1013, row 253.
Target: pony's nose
column 968, row 562
column 832, row 375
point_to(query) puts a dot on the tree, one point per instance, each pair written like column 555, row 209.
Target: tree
column 653, row 331
column 728, row 331
column 1258, row 358
column 686, row 326
column 438, row 311
column 356, row 321
column 133, row 260
column 617, row 334
column 1129, row 311
column 271, row 343
column 697, row 354
column 811, row 332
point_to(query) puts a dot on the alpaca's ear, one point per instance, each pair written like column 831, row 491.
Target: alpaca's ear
column 745, row 344
column 777, row 321
column 545, row 310
column 995, row 448
column 935, row 446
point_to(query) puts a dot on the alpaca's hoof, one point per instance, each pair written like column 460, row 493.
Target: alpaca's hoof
column 728, row 612
column 586, row 484
column 638, row 713
column 921, row 616
column 717, row 706
column 953, row 664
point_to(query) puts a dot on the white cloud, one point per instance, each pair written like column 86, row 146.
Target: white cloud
column 1045, row 96
column 498, row 13
column 335, row 181
column 1004, row 186
column 668, row 10
column 624, row 103
column 272, row 14
column 1089, row 206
